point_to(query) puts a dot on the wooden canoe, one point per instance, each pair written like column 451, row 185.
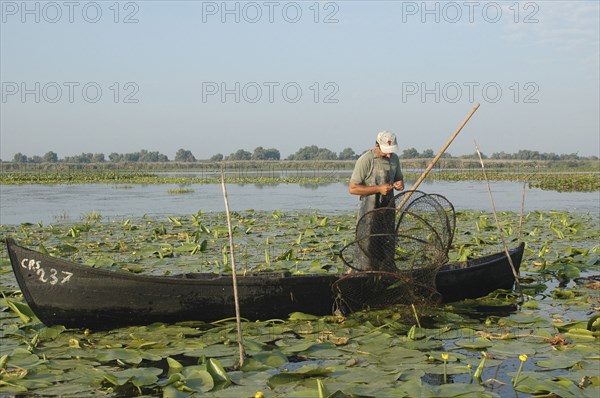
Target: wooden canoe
column 60, row 292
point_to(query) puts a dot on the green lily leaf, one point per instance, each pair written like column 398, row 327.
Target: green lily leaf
column 21, row 309
column 459, row 390
column 217, row 372
column 558, row 362
column 302, row 373
column 474, row 344
column 172, row 392
column 137, row 376
column 197, row 379
column 122, row 354
column 174, row 365
column 271, row 359
column 322, row 390
column 65, row 250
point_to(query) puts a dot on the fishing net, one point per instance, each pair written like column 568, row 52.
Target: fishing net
column 433, row 208
column 372, row 289
column 397, row 253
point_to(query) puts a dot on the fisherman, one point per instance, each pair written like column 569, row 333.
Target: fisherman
column 376, row 174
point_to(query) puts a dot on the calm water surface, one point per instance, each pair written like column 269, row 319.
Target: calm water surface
column 47, row 203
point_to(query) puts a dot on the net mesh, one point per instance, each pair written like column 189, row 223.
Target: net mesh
column 397, row 253
column 433, row 208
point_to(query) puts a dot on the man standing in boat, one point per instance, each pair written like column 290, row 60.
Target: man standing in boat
column 376, row 174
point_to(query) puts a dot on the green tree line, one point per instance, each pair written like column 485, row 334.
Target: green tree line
column 311, row 152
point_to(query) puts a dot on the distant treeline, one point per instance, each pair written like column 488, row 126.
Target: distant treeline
column 312, row 152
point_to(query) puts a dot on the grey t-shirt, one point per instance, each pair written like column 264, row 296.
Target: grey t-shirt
column 371, row 170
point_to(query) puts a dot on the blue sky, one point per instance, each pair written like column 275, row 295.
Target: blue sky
column 169, row 75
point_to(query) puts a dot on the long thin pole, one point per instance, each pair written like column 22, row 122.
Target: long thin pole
column 512, row 266
column 240, row 336
column 439, row 155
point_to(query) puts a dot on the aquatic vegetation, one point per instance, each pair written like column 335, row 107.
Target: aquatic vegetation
column 536, row 176
column 522, row 358
column 92, row 216
column 180, row 191
column 568, row 182
column 493, row 346
column 445, row 357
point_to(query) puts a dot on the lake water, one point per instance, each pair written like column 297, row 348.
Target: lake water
column 47, row 203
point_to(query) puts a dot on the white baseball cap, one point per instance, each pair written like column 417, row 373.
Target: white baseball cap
column 387, row 142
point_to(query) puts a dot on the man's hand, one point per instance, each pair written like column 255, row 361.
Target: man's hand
column 385, row 189
column 399, row 185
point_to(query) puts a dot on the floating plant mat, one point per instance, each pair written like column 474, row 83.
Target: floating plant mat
column 491, row 346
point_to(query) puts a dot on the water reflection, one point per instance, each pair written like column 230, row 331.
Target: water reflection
column 35, row 203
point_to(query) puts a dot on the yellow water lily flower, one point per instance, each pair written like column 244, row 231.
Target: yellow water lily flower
column 523, row 358
column 445, row 356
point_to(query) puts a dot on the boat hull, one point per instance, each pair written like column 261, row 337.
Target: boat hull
column 479, row 277
column 60, row 292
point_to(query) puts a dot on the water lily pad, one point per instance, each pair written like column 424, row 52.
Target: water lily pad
column 397, row 354
column 581, row 335
column 423, row 345
column 323, row 350
column 267, row 359
column 198, row 379
column 213, row 351
column 530, row 383
column 459, row 390
column 72, row 363
column 300, row 316
column 185, row 247
column 558, row 362
column 217, row 372
column 297, row 347
column 67, row 389
column 122, row 354
column 49, row 333
column 367, row 375
column 137, row 376
column 474, row 344
column 21, row 309
column 172, row 392
column 521, row 318
column 101, row 262
column 174, row 365
column 22, row 358
column 65, row 250
column 299, row 374
column 508, row 348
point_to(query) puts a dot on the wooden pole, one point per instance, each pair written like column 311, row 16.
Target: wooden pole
column 240, row 336
column 439, row 155
column 512, row 266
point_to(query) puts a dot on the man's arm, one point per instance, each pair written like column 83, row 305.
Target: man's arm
column 360, row 189
column 398, row 178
